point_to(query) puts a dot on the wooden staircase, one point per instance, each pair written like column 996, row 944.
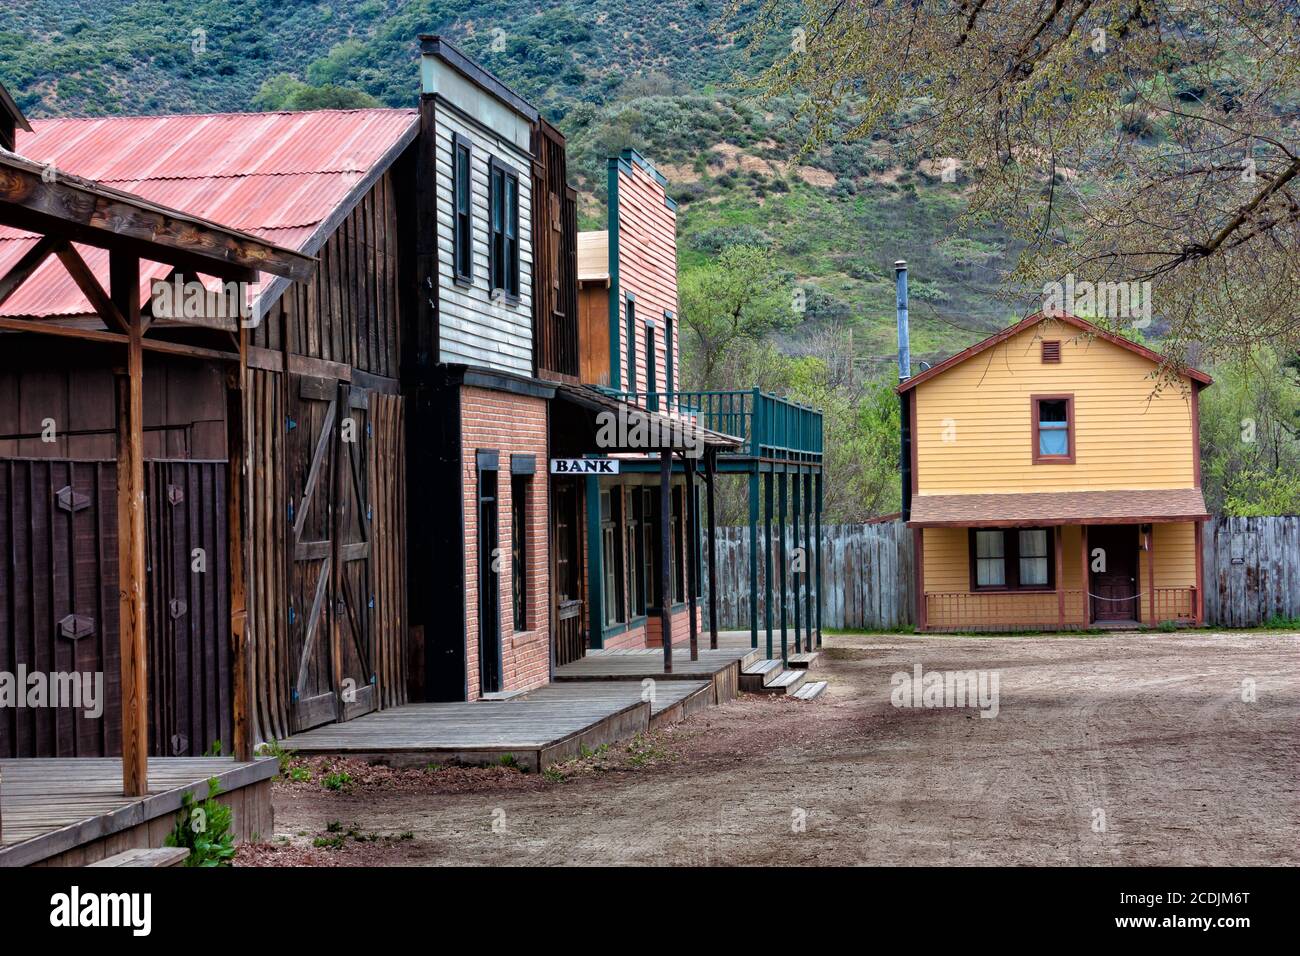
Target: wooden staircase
column 768, row 676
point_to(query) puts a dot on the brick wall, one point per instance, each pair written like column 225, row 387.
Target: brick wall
column 510, row 424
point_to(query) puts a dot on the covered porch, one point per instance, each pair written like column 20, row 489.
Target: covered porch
column 1011, row 562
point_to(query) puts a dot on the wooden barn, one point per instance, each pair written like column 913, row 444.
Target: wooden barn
column 315, row 580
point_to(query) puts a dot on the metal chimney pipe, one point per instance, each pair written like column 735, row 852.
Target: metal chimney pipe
column 905, row 399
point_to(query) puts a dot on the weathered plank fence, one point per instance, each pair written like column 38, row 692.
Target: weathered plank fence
column 867, row 577
column 1252, row 574
column 1252, row 570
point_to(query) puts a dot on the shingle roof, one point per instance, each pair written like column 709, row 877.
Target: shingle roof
column 1058, row 507
column 275, row 175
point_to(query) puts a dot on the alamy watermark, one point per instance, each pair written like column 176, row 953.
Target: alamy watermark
column 638, row 431
column 177, row 298
column 39, row 690
column 1111, row 300
column 934, row 689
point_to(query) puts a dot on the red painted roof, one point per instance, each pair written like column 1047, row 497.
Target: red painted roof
column 275, row 175
column 1058, row 507
column 1194, row 374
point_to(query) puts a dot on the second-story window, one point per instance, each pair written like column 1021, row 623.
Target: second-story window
column 503, row 234
column 1053, row 428
column 462, row 252
column 668, row 351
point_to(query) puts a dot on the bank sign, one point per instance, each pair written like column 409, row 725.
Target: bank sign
column 584, row 466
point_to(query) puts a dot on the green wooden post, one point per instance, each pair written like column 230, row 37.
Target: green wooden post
column 808, row 560
column 767, row 563
column 795, row 543
column 818, row 548
column 753, row 558
column 780, row 528
column 595, row 575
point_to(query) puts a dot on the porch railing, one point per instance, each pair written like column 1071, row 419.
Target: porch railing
column 772, row 427
column 1002, row 610
column 1175, row 604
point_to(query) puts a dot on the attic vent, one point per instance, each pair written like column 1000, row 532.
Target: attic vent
column 1051, row 351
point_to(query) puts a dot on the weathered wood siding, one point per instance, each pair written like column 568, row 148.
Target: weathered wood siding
column 1252, row 570
column 974, row 426
column 474, row 328
column 646, row 228
column 59, row 603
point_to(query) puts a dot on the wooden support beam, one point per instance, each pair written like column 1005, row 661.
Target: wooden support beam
column 692, row 553
column 783, row 480
column 124, row 280
column 63, row 331
column 1199, row 606
column 710, row 469
column 1085, row 571
column 666, row 555
column 106, row 308
column 24, row 267
column 767, row 554
column 753, row 564
column 818, row 557
column 241, row 639
column 1151, row 575
column 795, row 544
column 1058, row 534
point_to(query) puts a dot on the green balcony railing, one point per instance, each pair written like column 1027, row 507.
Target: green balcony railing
column 772, row 427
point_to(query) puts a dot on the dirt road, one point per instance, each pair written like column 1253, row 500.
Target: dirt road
column 1116, row 749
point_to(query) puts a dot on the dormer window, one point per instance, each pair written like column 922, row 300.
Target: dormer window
column 1053, row 428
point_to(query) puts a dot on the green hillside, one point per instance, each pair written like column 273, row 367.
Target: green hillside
column 609, row 75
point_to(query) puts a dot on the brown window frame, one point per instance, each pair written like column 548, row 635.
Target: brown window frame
column 1035, row 405
column 1011, row 556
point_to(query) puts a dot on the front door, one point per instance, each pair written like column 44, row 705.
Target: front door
column 569, row 638
column 489, row 589
column 1113, row 564
column 353, row 600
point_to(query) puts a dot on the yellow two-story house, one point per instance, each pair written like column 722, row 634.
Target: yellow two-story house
column 1055, row 482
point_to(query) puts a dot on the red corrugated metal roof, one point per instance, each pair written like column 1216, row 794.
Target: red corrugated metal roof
column 275, row 175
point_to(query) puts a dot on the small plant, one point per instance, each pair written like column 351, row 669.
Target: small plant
column 641, row 752
column 433, row 768
column 204, row 829
column 332, row 843
column 406, row 835
column 552, row 775
column 273, row 749
column 1279, row 623
column 299, row 774
column 510, row 761
column 337, row 780
column 1167, row 626
column 333, row 826
column 215, row 749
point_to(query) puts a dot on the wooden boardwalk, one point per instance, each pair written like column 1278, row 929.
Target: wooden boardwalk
column 52, row 806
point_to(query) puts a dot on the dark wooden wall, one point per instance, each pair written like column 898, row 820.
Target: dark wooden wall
column 59, row 603
column 555, row 249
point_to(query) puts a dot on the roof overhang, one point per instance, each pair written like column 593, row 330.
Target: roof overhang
column 1198, row 377
column 9, row 107
column 90, row 213
column 1050, row 508
column 675, row 433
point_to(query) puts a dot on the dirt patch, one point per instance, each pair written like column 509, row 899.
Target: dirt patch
column 816, row 177
column 1167, row 749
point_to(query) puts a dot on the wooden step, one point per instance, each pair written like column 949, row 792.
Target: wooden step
column 758, row 675
column 810, row 690
column 806, row 660
column 785, row 682
column 141, row 856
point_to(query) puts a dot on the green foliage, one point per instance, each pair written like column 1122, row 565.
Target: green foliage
column 284, row 756
column 204, row 829
column 337, row 780
column 510, row 761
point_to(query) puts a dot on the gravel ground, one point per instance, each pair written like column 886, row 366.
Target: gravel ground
column 1113, row 749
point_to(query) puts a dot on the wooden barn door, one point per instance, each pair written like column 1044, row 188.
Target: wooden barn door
column 354, row 652
column 311, row 443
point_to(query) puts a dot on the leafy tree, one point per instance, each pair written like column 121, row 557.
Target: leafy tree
column 729, row 307
column 1120, row 140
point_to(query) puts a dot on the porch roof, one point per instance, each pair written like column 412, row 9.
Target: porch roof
column 1128, row 506
column 672, row 431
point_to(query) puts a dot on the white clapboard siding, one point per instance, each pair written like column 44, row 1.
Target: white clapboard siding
column 474, row 329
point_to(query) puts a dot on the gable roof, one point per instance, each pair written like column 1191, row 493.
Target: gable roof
column 283, row 177
column 1196, row 375
column 10, row 109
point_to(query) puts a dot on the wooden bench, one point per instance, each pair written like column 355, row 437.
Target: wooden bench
column 141, row 856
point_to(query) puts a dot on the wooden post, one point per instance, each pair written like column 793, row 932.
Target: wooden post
column 753, row 559
column 780, row 533
column 807, row 561
column 692, row 553
column 710, row 467
column 1085, row 583
column 124, row 285
column 1059, row 534
column 794, row 543
column 767, row 561
column 1198, row 607
column 240, row 639
column 818, row 549
column 1151, row 575
column 666, row 555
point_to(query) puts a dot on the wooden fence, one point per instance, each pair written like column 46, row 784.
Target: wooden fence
column 867, row 577
column 1252, row 574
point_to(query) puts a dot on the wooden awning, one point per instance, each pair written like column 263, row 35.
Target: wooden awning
column 675, row 433
column 1047, row 508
